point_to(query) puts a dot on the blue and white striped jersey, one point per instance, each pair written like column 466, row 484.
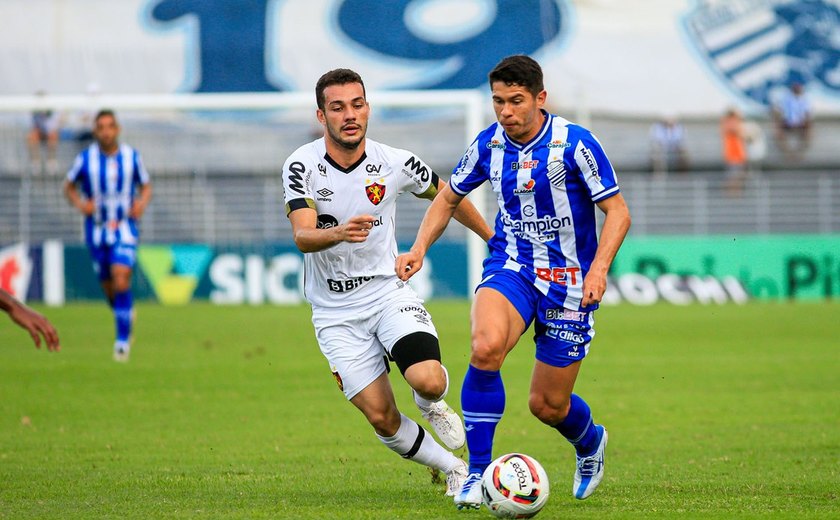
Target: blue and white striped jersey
column 110, row 181
column 546, row 190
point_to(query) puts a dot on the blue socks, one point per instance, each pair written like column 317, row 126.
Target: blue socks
column 482, row 403
column 123, row 305
column 579, row 428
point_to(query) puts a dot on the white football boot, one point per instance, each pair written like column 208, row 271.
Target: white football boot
column 455, row 478
column 447, row 424
column 590, row 470
column 469, row 497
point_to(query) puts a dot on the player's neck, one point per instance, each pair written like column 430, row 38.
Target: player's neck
column 110, row 150
column 344, row 157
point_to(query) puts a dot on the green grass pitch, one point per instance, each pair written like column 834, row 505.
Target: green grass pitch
column 231, row 412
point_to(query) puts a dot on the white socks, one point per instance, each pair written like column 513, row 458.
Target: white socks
column 413, row 442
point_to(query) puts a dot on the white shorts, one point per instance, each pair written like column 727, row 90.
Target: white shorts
column 356, row 340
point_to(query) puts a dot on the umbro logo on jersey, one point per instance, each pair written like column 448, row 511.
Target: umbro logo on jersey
column 325, row 194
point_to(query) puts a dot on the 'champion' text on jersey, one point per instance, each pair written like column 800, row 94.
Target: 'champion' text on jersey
column 352, row 272
column 546, row 190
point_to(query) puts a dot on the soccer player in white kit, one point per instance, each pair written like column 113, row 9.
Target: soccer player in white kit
column 340, row 195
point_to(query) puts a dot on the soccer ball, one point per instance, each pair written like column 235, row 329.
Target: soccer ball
column 514, row 486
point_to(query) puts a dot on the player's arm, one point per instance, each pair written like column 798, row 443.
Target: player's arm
column 309, row 239
column 465, row 212
column 36, row 324
column 616, row 224
column 140, row 204
column 84, row 206
column 438, row 215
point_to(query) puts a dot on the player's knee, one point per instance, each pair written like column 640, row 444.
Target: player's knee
column 415, row 348
column 548, row 412
column 487, row 352
column 431, row 383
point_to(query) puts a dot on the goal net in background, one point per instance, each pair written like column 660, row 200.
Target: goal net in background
column 215, row 160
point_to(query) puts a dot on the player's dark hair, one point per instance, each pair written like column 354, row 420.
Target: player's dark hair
column 105, row 112
column 335, row 77
column 519, row 70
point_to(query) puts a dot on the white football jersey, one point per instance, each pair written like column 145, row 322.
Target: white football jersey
column 350, row 273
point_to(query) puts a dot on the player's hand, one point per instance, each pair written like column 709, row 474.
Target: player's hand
column 37, row 326
column 136, row 211
column 357, row 228
column 594, row 286
column 87, row 208
column 408, row 264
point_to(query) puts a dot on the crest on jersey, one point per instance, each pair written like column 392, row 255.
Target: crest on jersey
column 759, row 47
column 375, row 192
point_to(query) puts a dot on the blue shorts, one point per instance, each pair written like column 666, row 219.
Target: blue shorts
column 105, row 256
column 562, row 336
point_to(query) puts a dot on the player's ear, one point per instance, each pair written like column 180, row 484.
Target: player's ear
column 320, row 115
column 541, row 97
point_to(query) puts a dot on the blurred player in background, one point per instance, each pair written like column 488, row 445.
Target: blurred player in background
column 31, row 321
column 546, row 265
column 340, row 194
column 115, row 191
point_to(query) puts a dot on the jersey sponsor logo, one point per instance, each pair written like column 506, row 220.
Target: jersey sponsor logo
column 373, row 168
column 527, row 187
column 342, row 286
column 559, row 275
column 564, row 314
column 322, row 170
column 296, row 170
column 414, row 164
column 528, row 210
column 546, row 224
column 326, row 221
column 495, row 144
column 760, row 47
column 325, row 194
column 559, row 144
column 590, row 162
column 556, row 173
column 375, row 192
column 524, row 165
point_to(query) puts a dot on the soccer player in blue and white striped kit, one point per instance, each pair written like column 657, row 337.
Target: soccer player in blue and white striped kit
column 546, row 265
column 115, row 190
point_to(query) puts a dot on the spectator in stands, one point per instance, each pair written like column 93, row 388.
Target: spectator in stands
column 756, row 143
column 793, row 122
column 44, row 131
column 734, row 151
column 31, row 321
column 667, row 147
